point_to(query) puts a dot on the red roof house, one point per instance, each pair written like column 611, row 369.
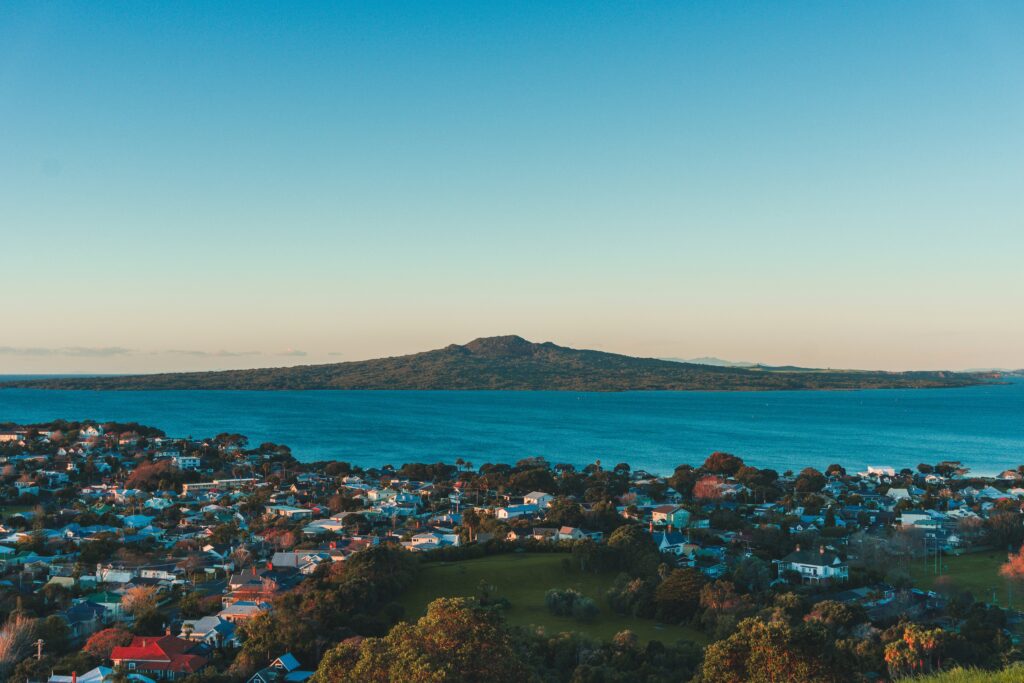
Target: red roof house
column 163, row 657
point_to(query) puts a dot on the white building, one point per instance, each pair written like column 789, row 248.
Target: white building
column 823, row 566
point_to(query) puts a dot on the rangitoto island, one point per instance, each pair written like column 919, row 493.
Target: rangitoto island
column 513, row 363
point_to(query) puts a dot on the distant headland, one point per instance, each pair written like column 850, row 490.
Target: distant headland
column 515, row 364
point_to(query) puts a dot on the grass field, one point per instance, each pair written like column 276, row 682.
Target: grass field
column 1014, row 674
column 523, row 579
column 976, row 572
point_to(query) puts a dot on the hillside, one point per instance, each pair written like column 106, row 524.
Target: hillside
column 513, row 363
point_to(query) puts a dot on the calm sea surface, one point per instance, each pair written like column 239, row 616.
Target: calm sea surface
column 981, row 426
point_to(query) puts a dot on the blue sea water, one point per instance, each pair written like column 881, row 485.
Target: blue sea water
column 981, row 426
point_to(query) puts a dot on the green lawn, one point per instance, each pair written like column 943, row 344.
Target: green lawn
column 523, row 579
column 976, row 572
column 1014, row 674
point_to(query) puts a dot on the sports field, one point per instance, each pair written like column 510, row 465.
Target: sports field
column 976, row 572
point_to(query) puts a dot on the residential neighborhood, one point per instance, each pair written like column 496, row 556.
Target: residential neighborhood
column 128, row 553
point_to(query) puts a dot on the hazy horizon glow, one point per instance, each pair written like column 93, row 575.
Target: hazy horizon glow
column 189, row 186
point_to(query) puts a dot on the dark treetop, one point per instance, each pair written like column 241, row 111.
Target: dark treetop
column 513, row 363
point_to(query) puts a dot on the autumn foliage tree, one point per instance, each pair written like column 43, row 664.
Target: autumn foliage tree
column 139, row 600
column 102, row 643
column 1013, row 568
column 918, row 651
column 722, row 463
column 707, row 488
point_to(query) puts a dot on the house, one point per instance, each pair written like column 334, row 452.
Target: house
column 107, row 600
column 242, row 610
column 84, row 619
column 431, row 540
column 538, row 498
column 672, row 542
column 823, row 566
column 672, row 515
column 26, row 487
column 920, row 520
column 186, row 462
column 112, row 574
column 513, row 511
column 101, row 674
column 163, row 658
column 158, row 503
column 284, row 669
column 213, row 631
column 571, row 533
column 90, row 432
column 289, row 511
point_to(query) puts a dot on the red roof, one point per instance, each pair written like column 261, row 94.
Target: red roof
column 164, row 653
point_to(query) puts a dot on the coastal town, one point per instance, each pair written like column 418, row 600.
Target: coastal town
column 130, row 555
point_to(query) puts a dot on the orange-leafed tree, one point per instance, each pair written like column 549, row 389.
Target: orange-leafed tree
column 1013, row 568
column 707, row 488
column 102, row 643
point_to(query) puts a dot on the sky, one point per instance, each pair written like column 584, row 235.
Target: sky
column 222, row 185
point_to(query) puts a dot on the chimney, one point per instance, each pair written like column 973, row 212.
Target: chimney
column 821, row 550
column 74, row 677
column 670, row 528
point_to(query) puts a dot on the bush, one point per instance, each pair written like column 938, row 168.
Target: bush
column 571, row 603
column 585, row 609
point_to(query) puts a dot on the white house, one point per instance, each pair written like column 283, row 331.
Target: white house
column 538, row 498
column 289, row 512
column 186, row 462
column 823, row 566
column 515, row 511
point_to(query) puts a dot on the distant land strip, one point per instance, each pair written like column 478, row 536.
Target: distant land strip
column 512, row 363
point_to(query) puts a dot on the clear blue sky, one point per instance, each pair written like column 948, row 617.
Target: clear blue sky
column 200, row 185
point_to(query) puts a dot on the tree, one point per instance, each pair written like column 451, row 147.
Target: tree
column 837, row 617
column 767, row 652
column 571, row 603
column 707, row 488
column 722, row 463
column 917, row 651
column 636, row 550
column 456, row 642
column 139, row 600
column 564, row 512
column 678, row 596
column 16, row 637
column 810, row 480
column 101, row 643
column 471, row 520
column 752, row 573
column 1013, row 568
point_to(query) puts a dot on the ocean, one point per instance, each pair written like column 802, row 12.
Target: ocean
column 981, row 426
